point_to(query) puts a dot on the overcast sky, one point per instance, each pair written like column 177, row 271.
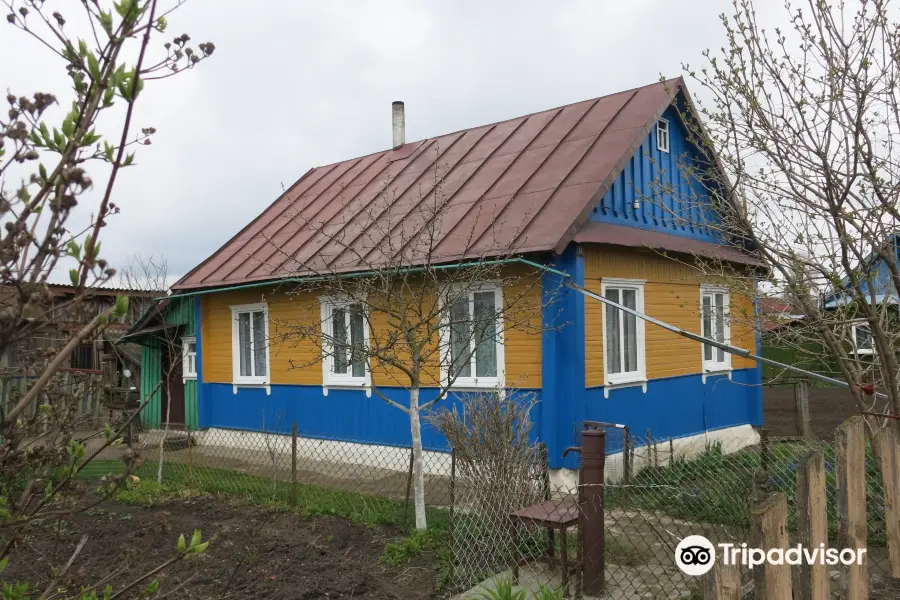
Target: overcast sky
column 294, row 85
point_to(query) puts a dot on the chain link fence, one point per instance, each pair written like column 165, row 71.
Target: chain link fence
column 513, row 519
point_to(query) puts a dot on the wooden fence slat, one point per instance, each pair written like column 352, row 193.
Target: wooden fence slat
column 768, row 529
column 812, row 523
column 722, row 583
column 889, row 449
column 850, row 456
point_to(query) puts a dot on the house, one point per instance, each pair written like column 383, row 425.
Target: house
column 165, row 334
column 571, row 188
column 776, row 312
column 100, row 367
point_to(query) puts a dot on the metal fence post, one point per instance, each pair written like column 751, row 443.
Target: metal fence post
column 452, row 489
column 801, row 403
column 593, row 461
column 294, row 464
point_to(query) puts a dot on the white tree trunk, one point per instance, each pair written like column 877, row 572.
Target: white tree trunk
column 415, row 426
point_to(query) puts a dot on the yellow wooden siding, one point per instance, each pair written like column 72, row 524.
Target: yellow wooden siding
column 297, row 361
column 671, row 294
column 523, row 338
column 743, row 331
column 291, row 360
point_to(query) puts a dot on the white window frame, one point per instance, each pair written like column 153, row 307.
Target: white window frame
column 663, row 135
column 330, row 379
column 248, row 380
column 474, row 382
column 714, row 366
column 854, row 325
column 186, row 372
column 631, row 378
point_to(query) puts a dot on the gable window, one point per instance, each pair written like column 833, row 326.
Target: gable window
column 473, row 340
column 862, row 338
column 345, row 345
column 714, row 319
column 662, row 135
column 623, row 333
column 189, row 357
column 249, row 345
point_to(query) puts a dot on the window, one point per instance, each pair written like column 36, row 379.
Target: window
column 345, row 362
column 189, row 357
column 714, row 318
column 623, row 333
column 862, row 338
column 82, row 357
column 249, row 345
column 473, row 340
column 662, row 135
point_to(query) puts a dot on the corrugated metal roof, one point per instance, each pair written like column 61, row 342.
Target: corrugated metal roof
column 521, row 185
column 623, row 235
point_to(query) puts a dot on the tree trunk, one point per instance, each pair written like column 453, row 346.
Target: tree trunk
column 415, row 426
column 162, row 439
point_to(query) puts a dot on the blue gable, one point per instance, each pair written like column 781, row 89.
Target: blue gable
column 874, row 270
column 650, row 178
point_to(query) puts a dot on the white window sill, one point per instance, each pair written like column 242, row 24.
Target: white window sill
column 863, row 352
column 252, row 385
column 475, row 385
column 615, row 385
column 187, row 378
column 714, row 372
column 348, row 385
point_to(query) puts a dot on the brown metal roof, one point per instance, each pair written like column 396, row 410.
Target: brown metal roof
column 522, row 185
column 623, row 235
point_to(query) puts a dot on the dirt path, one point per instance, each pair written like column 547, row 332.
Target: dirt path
column 262, row 553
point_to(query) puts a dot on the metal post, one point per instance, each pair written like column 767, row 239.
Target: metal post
column 801, row 404
column 593, row 461
column 452, row 489
column 649, row 449
column 294, row 464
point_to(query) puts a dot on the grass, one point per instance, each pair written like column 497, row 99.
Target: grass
column 716, row 488
column 179, row 480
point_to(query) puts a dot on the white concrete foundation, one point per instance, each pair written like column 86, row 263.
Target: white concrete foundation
column 395, row 458
column 731, row 438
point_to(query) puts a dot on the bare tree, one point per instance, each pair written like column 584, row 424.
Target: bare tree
column 108, row 67
column 405, row 316
column 796, row 147
column 151, row 273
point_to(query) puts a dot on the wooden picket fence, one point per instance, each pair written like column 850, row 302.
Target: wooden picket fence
column 82, row 389
column 769, row 527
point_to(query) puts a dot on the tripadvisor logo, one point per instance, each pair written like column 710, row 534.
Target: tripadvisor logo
column 695, row 555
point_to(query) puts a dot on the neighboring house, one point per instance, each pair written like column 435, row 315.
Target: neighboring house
column 775, row 313
column 100, row 367
column 165, row 333
column 877, row 286
column 55, row 324
column 576, row 182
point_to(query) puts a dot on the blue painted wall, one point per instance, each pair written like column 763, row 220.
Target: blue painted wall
column 649, row 174
column 678, row 406
column 345, row 415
